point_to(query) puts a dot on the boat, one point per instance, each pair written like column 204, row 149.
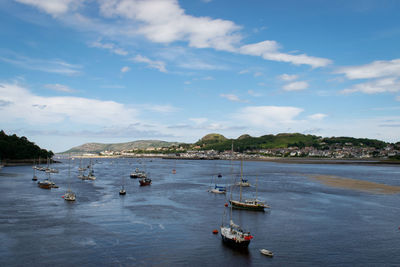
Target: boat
column 248, row 204
column 34, row 178
column 266, row 252
column 145, row 181
column 46, row 184
column 243, row 183
column 90, row 175
column 232, row 234
column 69, row 195
column 217, row 188
column 123, row 191
column 138, row 174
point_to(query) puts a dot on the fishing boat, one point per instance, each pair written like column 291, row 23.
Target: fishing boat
column 232, row 234
column 138, row 174
column 145, row 181
column 69, row 195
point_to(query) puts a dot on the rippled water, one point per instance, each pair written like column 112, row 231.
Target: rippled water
column 170, row 223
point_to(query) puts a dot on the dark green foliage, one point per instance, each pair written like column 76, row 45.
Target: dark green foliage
column 14, row 147
column 283, row 140
column 355, row 142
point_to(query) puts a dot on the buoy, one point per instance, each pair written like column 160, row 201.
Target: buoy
column 226, row 204
column 215, row 231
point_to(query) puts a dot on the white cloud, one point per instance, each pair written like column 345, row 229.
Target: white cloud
column 199, row 121
column 109, row 46
column 125, row 69
column 231, row 97
column 159, row 108
column 60, row 88
column 253, row 93
column 269, row 50
column 288, row 77
column 391, row 85
column 53, row 7
column 244, row 71
column 154, row 64
column 376, row 69
column 268, row 116
column 317, row 116
column 38, row 110
column 295, row 86
column 166, row 22
column 46, row 65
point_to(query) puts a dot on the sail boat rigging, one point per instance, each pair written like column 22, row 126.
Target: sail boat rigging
column 69, row 195
column 248, row 204
column 232, row 234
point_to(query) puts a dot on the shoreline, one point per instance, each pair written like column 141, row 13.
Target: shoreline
column 24, row 162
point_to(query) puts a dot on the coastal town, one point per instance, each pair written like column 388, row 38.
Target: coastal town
column 336, row 151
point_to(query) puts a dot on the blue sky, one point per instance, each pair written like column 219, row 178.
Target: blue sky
column 76, row 71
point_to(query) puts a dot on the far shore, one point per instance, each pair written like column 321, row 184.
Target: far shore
column 269, row 159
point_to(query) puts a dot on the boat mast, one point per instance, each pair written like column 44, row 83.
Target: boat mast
column 256, row 185
column 241, row 179
column 230, row 212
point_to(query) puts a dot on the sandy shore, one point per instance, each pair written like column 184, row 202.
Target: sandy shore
column 347, row 183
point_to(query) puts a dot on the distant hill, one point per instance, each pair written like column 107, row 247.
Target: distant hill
column 244, row 142
column 140, row 144
column 283, row 140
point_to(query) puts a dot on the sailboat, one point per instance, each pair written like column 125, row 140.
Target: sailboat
column 122, row 191
column 248, row 204
column 69, row 195
column 232, row 234
column 217, row 188
column 34, row 178
column 243, row 182
column 47, row 183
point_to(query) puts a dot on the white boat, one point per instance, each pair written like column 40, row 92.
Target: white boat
column 218, row 189
column 266, row 252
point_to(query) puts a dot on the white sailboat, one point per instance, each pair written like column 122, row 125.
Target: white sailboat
column 34, row 178
column 232, row 234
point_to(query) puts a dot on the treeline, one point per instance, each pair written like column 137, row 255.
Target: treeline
column 284, row 140
column 14, row 147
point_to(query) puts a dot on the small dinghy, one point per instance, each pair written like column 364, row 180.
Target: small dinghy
column 266, row 252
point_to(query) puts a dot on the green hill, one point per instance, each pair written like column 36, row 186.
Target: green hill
column 283, row 140
column 13, row 147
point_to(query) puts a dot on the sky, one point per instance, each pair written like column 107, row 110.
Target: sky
column 111, row 71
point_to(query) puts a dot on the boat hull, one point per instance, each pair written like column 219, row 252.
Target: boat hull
column 244, row 206
column 235, row 244
column 44, row 185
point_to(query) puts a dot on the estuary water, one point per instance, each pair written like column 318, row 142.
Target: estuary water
column 170, row 223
